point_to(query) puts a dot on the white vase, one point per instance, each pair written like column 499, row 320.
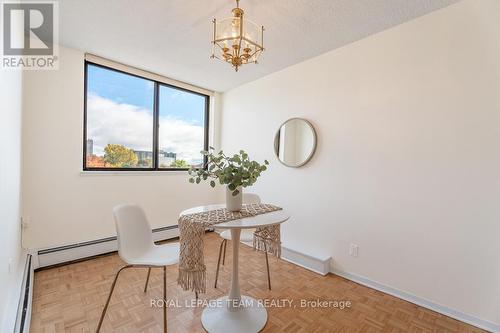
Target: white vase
column 233, row 202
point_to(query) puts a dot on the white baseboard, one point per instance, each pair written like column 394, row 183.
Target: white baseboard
column 481, row 323
column 67, row 253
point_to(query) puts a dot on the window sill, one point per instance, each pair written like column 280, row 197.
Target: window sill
column 134, row 173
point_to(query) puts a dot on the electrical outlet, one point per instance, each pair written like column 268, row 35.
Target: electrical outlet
column 353, row 250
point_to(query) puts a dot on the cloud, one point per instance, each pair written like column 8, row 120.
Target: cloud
column 181, row 137
column 131, row 126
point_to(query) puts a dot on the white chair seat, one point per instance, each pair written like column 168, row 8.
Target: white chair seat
column 246, row 235
column 157, row 255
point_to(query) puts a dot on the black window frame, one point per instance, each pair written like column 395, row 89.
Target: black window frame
column 156, row 118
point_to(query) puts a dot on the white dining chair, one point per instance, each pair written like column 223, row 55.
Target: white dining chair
column 245, row 237
column 138, row 250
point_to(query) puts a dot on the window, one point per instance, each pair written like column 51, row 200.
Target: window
column 135, row 123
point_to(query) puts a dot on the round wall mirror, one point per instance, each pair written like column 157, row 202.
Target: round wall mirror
column 295, row 142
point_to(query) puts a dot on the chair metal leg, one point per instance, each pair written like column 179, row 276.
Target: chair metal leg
column 147, row 280
column 218, row 262
column 267, row 264
column 224, row 257
column 165, row 299
column 109, row 297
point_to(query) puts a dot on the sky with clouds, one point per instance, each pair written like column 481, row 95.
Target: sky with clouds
column 120, row 111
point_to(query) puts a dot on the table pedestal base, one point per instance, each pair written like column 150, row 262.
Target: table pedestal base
column 251, row 317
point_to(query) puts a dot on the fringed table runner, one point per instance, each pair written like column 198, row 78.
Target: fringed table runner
column 192, row 229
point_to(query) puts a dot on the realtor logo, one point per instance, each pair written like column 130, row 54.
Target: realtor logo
column 29, row 35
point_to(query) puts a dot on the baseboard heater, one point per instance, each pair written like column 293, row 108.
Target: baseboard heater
column 80, row 251
column 25, row 300
column 320, row 265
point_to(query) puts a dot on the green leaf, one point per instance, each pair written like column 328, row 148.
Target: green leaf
column 233, row 170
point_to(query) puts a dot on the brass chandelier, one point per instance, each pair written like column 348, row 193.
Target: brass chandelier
column 237, row 41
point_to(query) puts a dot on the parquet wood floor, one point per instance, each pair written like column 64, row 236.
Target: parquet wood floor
column 70, row 299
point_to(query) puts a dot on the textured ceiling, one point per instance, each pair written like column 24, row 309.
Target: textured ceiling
column 172, row 37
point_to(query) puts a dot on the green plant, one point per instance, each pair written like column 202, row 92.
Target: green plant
column 235, row 171
column 120, row 156
column 179, row 164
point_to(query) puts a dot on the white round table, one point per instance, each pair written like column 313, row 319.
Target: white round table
column 234, row 312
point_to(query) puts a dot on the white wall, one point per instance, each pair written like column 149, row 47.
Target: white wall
column 62, row 205
column 408, row 158
column 11, row 253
